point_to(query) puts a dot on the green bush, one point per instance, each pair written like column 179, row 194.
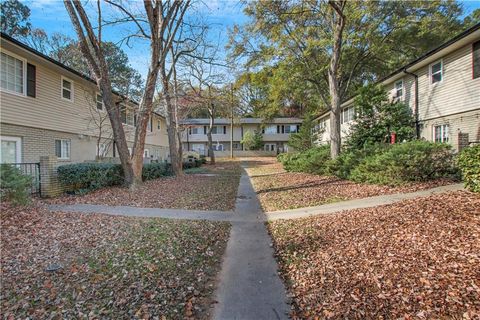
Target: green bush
column 404, row 162
column 14, row 185
column 310, row 161
column 85, row 177
column 469, row 164
column 349, row 159
column 155, row 170
column 82, row 177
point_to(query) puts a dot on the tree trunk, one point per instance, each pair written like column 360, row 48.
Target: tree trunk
column 175, row 160
column 333, row 85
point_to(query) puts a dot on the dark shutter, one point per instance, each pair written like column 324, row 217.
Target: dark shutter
column 476, row 60
column 31, row 80
column 278, row 129
column 204, row 129
column 224, row 129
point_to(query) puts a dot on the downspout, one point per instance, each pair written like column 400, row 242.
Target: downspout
column 417, row 123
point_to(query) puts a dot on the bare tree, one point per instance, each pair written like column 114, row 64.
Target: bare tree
column 159, row 25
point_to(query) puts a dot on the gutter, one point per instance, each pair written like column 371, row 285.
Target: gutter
column 417, row 123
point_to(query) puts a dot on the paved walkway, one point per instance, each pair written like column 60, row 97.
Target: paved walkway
column 249, row 286
column 358, row 203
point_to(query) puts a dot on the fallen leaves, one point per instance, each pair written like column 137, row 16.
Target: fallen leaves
column 281, row 190
column 112, row 267
column 415, row 259
column 214, row 190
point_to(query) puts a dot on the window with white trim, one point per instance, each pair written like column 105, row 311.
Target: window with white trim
column 436, row 72
column 62, row 148
column 99, row 102
column 399, row 89
column 146, row 153
column 219, row 130
column 270, row 129
column 291, row 128
column 102, row 150
column 347, row 115
column 12, row 73
column 218, row 147
column 440, row 133
column 195, row 130
column 67, row 89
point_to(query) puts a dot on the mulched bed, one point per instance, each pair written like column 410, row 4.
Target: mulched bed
column 214, row 190
column 113, row 267
column 280, row 190
column 416, row 259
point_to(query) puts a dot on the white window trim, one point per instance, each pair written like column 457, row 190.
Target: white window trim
column 24, row 61
column 430, row 74
column 442, row 132
column 146, row 153
column 199, row 132
column 403, row 88
column 72, row 90
column 96, row 101
column 69, row 151
column 18, row 151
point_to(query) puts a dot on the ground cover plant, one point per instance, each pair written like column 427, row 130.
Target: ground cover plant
column 469, row 163
column 416, row 259
column 278, row 189
column 216, row 189
column 112, row 267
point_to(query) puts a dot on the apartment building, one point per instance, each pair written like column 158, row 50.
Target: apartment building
column 47, row 108
column 442, row 89
column 275, row 133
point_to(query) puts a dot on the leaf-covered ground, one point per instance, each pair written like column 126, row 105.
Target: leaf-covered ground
column 416, row 259
column 113, row 267
column 281, row 190
column 214, row 187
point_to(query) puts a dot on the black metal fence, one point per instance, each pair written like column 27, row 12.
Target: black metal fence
column 31, row 169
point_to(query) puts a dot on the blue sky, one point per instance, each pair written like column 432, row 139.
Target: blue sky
column 51, row 16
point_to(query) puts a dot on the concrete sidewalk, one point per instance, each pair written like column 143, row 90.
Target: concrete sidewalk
column 358, row 203
column 249, row 285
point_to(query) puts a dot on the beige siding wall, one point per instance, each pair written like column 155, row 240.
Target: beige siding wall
column 51, row 115
column 37, row 142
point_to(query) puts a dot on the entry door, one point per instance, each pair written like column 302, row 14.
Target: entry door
column 11, row 151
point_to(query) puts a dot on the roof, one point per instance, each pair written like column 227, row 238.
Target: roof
column 416, row 62
column 61, row 65
column 205, row 121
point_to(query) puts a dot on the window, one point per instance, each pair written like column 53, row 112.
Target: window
column 476, row 60
column 99, row 102
column 102, row 150
column 62, row 149
column 436, row 72
column 270, row 130
column 67, row 89
column 219, row 130
column 149, row 125
column 269, row 147
column 158, row 125
column 399, row 89
column 292, row 128
column 194, row 130
column 218, row 147
column 130, row 117
column 441, row 133
column 12, row 76
column 146, row 153
column 347, row 115
column 11, row 151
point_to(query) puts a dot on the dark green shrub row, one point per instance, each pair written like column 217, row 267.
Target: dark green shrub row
column 193, row 164
column 379, row 163
column 84, row 177
column 405, row 162
column 310, row 161
column 155, row 170
column 14, row 185
column 469, row 164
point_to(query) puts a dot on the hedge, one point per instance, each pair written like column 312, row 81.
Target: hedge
column 85, row 177
column 380, row 163
column 469, row 164
column 14, row 185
